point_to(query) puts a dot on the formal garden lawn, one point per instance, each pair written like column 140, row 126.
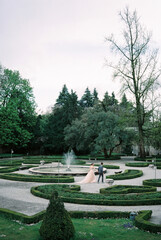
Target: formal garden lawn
column 86, row 229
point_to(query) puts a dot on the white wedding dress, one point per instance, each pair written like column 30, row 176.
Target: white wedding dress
column 90, row 177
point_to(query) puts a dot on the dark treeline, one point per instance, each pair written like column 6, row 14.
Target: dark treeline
column 87, row 125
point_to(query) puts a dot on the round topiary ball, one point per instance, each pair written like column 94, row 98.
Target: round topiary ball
column 57, row 223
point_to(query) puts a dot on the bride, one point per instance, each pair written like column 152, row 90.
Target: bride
column 90, row 177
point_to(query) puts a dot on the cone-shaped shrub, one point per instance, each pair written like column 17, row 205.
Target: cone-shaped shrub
column 57, row 224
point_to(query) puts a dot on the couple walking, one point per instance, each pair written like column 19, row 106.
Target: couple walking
column 90, row 177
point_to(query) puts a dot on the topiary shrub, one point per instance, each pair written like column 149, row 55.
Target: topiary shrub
column 57, row 224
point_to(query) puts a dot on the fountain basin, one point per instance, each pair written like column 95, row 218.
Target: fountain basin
column 61, row 170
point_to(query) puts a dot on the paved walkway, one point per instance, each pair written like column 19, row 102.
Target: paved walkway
column 16, row 195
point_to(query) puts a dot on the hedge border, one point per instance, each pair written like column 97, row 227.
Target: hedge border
column 149, row 182
column 137, row 164
column 126, row 175
column 109, row 166
column 30, row 178
column 127, row 189
column 155, row 201
column 140, row 219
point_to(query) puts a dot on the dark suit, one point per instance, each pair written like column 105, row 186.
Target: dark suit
column 100, row 172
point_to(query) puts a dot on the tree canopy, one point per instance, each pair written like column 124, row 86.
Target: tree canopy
column 17, row 109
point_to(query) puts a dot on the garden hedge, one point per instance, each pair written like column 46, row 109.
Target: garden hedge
column 142, row 223
column 68, row 195
column 16, row 168
column 152, row 182
column 8, row 169
column 22, row 217
column 141, row 219
column 127, row 174
column 137, row 164
column 37, row 178
column 108, row 166
column 125, row 189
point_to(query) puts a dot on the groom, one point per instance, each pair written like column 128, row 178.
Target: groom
column 100, row 172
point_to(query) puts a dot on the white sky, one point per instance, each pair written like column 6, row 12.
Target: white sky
column 57, row 42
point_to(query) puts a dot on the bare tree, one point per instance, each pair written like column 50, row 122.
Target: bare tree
column 137, row 65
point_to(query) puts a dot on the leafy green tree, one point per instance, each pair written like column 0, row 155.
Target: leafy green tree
column 137, row 66
column 17, row 110
column 98, row 130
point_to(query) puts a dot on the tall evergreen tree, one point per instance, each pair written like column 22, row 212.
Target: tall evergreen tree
column 109, row 103
column 64, row 112
column 87, row 99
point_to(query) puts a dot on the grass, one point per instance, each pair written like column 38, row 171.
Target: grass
column 86, row 229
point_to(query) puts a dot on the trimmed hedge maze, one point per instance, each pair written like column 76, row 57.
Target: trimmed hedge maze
column 71, row 194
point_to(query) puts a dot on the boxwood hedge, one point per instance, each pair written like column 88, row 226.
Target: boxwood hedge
column 71, row 195
column 37, row 178
column 140, row 221
column 127, row 174
column 152, row 182
column 125, row 189
column 137, row 164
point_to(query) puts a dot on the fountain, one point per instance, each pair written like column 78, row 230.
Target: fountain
column 57, row 168
column 69, row 158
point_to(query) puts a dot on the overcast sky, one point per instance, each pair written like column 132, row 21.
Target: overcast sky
column 57, row 42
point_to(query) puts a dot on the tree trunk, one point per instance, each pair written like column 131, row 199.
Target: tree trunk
column 140, row 117
column 105, row 153
column 141, row 143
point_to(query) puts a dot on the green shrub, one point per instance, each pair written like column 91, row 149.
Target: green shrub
column 141, row 220
column 13, row 163
column 138, row 164
column 125, row 189
column 71, row 195
column 9, row 169
column 109, row 166
column 37, row 178
column 99, row 215
column 127, row 174
column 8, row 155
column 57, row 224
column 22, row 217
column 14, row 168
column 142, row 223
column 152, row 182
